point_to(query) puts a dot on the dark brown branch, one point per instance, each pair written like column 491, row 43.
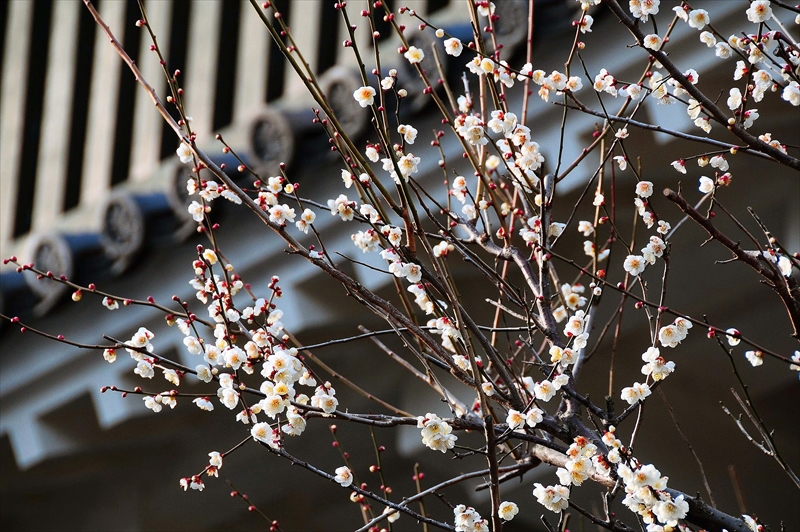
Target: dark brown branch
column 767, row 271
column 708, row 106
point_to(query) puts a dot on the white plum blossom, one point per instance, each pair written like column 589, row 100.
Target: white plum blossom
column 635, row 264
column 453, row 47
column 306, row 219
column 264, row 433
column 544, row 391
column 409, row 133
column 759, row 11
column 414, row 55
column 656, row 366
column 534, row 417
column 185, row 153
column 575, row 324
column 467, row 519
column 706, row 184
column 554, row 498
column 670, row 511
column 365, row 96
column 652, row 42
column 153, row 403
column 734, row 101
column 722, row 50
column 698, row 19
column 756, row 358
column 204, row 404
column 707, row 38
column 791, row 93
column 281, row 214
column 343, row 476
column 436, row 433
column 515, row 420
column 636, row 393
column 644, row 189
column 507, row 510
column 586, row 24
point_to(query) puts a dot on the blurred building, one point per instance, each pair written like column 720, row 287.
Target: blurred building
column 90, row 187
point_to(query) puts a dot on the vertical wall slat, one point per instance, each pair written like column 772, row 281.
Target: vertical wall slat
column 276, row 62
column 37, row 64
column 126, row 100
column 306, row 14
column 11, row 107
column 146, row 140
column 201, row 69
column 51, row 178
column 102, row 107
column 228, row 30
column 175, row 54
column 79, row 108
column 251, row 87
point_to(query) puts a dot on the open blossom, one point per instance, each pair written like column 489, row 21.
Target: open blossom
column 343, row 476
column 635, row 264
column 586, row 24
column 644, row 189
column 544, row 391
column 263, row 432
column 204, row 404
column 791, row 93
column 575, row 324
column 365, row 96
column 750, row 116
column 184, row 153
column 652, row 42
column 656, row 366
column 708, row 39
column 507, row 510
column 719, row 162
column 734, row 101
column 153, row 403
column 706, row 184
column 575, row 471
column 515, row 419
column 306, row 219
column 436, row 433
column 669, row 511
column 759, row 11
column 554, row 498
column 409, row 133
column 604, row 82
column 698, row 19
column 636, row 393
column 453, row 47
column 703, row 123
column 414, row 55
column 756, row 358
column 722, row 50
column 280, row 214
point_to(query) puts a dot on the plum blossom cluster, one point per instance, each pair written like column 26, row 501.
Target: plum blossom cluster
column 646, row 495
column 242, row 348
column 467, row 519
column 436, row 433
